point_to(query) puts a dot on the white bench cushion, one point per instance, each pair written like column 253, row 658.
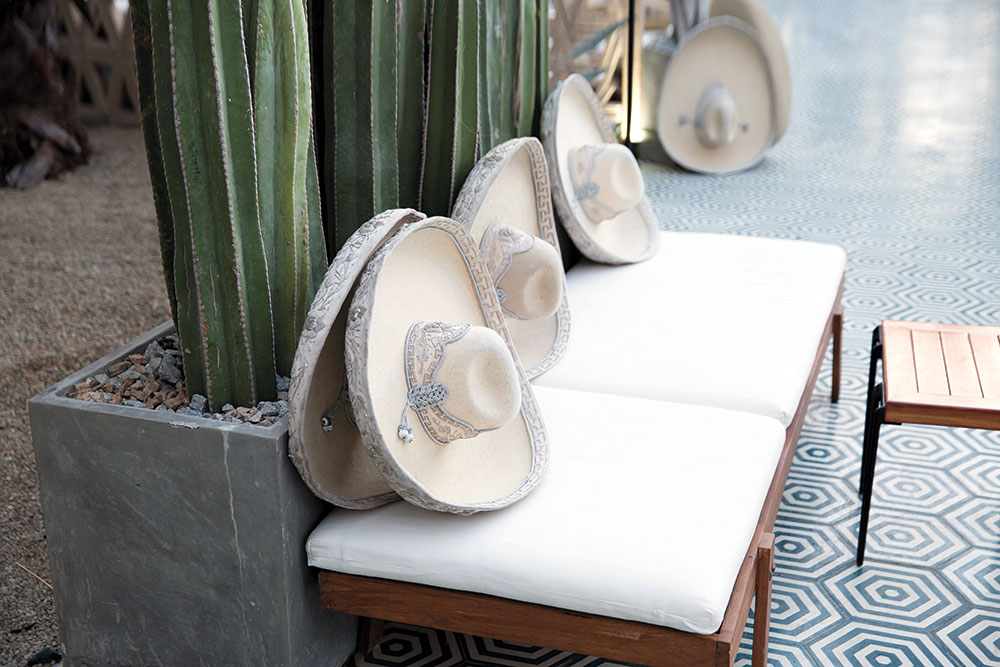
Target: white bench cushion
column 712, row 319
column 645, row 513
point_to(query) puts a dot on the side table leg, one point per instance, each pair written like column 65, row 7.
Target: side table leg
column 876, row 354
column 868, row 471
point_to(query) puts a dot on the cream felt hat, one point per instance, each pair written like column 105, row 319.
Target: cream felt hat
column 597, row 186
column 442, row 402
column 323, row 441
column 754, row 14
column 506, row 205
column 716, row 111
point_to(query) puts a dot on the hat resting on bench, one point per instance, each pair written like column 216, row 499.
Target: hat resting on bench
column 506, row 205
column 442, row 402
column 323, row 440
column 754, row 14
column 597, row 186
column 716, row 112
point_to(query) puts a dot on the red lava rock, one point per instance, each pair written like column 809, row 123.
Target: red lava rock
column 119, row 367
column 86, row 385
column 176, row 400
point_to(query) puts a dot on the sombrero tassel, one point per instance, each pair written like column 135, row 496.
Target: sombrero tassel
column 331, row 413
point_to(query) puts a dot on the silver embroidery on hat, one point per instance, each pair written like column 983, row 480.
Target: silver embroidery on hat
column 499, row 245
column 582, row 163
column 424, row 352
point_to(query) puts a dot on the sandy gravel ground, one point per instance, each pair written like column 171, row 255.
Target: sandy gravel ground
column 79, row 276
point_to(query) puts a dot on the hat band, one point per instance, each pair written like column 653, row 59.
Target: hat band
column 498, row 246
column 586, row 191
column 424, row 353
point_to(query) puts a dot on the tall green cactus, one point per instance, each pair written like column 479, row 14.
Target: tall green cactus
column 451, row 124
column 462, row 76
column 237, row 200
column 287, row 184
column 414, row 92
column 362, row 171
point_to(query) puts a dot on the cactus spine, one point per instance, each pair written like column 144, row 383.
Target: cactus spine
column 233, row 176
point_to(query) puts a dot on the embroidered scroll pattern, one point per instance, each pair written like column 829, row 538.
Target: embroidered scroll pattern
column 426, row 346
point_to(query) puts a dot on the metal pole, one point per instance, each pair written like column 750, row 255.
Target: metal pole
column 631, row 67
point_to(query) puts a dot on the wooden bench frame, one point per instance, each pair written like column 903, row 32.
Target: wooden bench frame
column 590, row 634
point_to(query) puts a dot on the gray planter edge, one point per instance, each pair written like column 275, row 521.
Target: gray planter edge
column 277, row 619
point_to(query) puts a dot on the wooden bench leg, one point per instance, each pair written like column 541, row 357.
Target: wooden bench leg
column 369, row 634
column 762, row 606
column 838, row 330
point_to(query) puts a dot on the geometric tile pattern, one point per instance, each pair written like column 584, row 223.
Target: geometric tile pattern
column 893, row 152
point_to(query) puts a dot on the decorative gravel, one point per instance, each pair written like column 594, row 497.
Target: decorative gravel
column 154, row 380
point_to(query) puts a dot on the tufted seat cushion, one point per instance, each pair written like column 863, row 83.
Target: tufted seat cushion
column 645, row 514
column 712, row 319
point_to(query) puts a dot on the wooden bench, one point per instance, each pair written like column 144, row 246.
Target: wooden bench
column 601, row 636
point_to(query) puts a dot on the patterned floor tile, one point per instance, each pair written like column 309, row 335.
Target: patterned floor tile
column 903, row 536
column 939, row 448
column 977, row 575
column 829, row 453
column 900, row 595
column 814, row 498
column 880, row 645
column 978, row 522
column 981, row 475
column 975, row 636
column 495, row 652
column 414, row 647
column 808, row 549
column 922, row 489
column 800, row 610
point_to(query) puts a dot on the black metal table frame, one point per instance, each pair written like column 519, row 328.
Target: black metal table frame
column 874, row 419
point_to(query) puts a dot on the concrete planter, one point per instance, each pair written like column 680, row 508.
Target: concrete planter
column 177, row 540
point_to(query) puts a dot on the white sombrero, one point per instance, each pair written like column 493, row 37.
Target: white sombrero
column 323, row 441
column 442, row 402
column 754, row 14
column 597, row 186
column 716, row 112
column 506, row 205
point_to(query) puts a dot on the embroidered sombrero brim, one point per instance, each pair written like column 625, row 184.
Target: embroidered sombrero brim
column 511, row 184
column 572, row 118
column 431, row 271
column 721, row 51
column 333, row 463
column 754, row 14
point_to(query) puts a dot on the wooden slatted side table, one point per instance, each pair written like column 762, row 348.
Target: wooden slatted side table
column 936, row 374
